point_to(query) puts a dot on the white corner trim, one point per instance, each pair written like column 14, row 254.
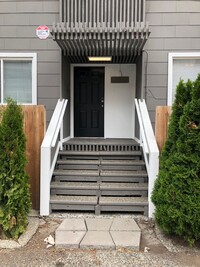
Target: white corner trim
column 170, row 79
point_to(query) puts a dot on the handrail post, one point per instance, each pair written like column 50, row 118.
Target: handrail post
column 45, row 181
column 153, row 171
column 61, row 136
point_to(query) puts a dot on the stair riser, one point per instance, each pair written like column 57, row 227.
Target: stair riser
column 139, row 193
column 107, row 208
column 70, row 192
column 123, row 208
column 76, row 178
column 100, row 179
column 93, row 192
column 72, row 207
column 103, row 167
column 77, row 167
column 96, row 155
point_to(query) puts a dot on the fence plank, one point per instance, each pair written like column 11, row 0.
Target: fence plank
column 34, row 126
column 161, row 124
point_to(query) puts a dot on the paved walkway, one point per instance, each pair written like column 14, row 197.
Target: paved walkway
column 98, row 233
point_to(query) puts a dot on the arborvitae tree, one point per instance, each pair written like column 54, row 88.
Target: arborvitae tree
column 183, row 95
column 176, row 192
column 14, row 181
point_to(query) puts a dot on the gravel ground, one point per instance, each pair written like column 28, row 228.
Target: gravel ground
column 35, row 253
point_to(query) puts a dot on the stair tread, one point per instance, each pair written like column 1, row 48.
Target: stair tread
column 73, row 199
column 103, row 173
column 122, row 162
column 120, row 186
column 71, row 185
column 103, row 162
column 123, row 200
column 123, row 173
column 77, row 172
column 78, row 161
column 103, row 141
column 102, row 153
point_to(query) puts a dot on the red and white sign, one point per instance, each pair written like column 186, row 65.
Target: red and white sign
column 42, row 32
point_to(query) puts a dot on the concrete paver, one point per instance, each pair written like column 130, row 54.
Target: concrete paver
column 98, row 224
column 124, row 224
column 97, row 240
column 69, row 239
column 98, row 233
column 72, row 225
column 126, row 239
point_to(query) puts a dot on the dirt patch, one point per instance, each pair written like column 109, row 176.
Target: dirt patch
column 35, row 253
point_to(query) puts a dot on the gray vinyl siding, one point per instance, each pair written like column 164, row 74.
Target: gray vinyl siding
column 18, row 23
column 175, row 27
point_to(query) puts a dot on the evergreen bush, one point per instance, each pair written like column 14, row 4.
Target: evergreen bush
column 14, row 181
column 183, row 95
column 176, row 193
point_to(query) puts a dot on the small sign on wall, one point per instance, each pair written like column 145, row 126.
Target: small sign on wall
column 119, row 79
column 42, row 32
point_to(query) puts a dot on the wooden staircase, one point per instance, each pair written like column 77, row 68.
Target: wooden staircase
column 100, row 175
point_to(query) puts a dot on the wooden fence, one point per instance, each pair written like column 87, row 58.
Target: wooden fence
column 35, row 127
column 161, row 124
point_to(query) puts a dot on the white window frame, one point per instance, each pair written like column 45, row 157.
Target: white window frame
column 171, row 57
column 21, row 56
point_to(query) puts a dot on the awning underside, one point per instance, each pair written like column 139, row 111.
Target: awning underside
column 123, row 44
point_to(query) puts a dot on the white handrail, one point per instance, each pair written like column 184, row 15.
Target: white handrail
column 48, row 160
column 150, row 148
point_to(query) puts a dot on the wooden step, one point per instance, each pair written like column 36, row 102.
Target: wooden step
column 122, row 162
column 124, row 176
column 98, row 189
column 78, row 162
column 76, row 172
column 100, row 153
column 124, row 204
column 73, row 202
column 76, row 175
column 124, row 189
column 75, row 188
column 116, row 173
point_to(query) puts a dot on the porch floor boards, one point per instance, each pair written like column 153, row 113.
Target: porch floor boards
column 97, row 174
column 101, row 141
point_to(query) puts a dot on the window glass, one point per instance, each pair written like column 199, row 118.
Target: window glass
column 184, row 68
column 17, row 80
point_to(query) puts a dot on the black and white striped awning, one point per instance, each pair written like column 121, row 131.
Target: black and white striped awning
column 124, row 45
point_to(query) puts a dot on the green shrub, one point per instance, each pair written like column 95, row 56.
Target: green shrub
column 14, row 181
column 183, row 95
column 176, row 193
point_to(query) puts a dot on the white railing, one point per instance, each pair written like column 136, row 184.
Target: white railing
column 150, row 148
column 51, row 144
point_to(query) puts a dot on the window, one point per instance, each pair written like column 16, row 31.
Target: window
column 18, row 77
column 181, row 66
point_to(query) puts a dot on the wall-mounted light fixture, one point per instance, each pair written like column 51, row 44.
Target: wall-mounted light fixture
column 100, row 58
